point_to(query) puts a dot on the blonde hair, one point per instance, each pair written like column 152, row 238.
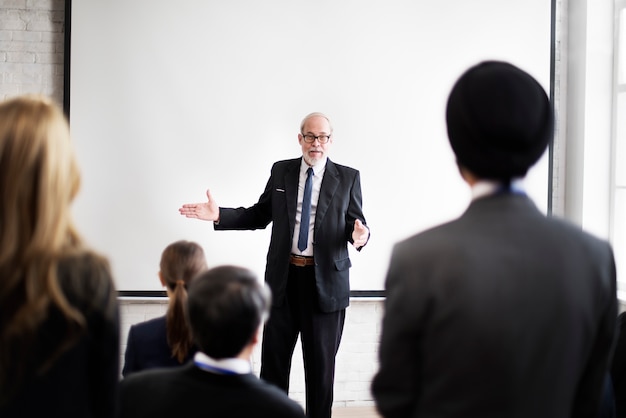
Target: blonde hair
column 181, row 262
column 39, row 178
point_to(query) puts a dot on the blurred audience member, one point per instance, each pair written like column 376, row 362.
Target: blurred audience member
column 59, row 325
column 226, row 309
column 503, row 312
column 166, row 341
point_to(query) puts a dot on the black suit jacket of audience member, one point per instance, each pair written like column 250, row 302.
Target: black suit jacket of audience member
column 190, row 392
column 147, row 347
column 618, row 368
column 339, row 205
column 503, row 312
column 83, row 380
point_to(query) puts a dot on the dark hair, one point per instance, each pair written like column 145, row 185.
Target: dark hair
column 499, row 120
column 181, row 261
column 226, row 305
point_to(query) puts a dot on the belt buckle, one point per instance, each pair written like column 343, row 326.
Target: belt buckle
column 298, row 261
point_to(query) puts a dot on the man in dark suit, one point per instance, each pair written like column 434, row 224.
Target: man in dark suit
column 226, row 307
column 307, row 261
column 503, row 312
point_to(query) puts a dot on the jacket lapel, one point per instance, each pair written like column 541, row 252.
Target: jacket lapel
column 327, row 191
column 292, row 175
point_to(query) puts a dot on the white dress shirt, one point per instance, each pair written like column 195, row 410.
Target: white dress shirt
column 222, row 366
column 484, row 188
column 318, row 174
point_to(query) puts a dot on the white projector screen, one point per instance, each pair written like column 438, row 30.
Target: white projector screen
column 171, row 98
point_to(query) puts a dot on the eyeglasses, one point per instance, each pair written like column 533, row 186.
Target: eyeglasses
column 310, row 138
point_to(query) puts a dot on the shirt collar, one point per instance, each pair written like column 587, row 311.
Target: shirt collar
column 222, row 366
column 317, row 168
column 484, row 188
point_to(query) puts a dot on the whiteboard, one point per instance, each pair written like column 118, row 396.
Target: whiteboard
column 171, row 98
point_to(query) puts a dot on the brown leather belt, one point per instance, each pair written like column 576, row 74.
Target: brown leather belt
column 301, row 261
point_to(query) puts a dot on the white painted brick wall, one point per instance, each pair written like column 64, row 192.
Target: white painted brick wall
column 32, row 48
column 356, row 360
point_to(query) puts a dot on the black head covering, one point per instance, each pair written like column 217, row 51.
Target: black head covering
column 499, row 120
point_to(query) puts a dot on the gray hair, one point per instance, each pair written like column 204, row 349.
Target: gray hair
column 314, row 114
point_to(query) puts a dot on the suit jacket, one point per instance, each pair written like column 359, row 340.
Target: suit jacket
column 618, row 368
column 190, row 392
column 338, row 207
column 503, row 312
column 147, row 347
column 82, row 382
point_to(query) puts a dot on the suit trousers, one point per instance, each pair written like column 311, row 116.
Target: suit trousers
column 320, row 334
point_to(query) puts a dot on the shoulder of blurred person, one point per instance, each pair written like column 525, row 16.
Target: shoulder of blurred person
column 191, row 392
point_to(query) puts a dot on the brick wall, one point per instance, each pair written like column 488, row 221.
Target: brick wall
column 31, row 47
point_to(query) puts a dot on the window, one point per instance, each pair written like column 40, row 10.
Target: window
column 618, row 226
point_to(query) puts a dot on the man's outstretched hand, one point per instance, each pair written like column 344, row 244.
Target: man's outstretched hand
column 207, row 211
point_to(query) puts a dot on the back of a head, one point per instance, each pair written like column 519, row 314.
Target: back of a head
column 39, row 177
column 499, row 119
column 181, row 261
column 225, row 307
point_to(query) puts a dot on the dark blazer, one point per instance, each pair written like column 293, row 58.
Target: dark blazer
column 83, row 380
column 503, row 312
column 618, row 368
column 190, row 392
column 147, row 347
column 338, row 207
